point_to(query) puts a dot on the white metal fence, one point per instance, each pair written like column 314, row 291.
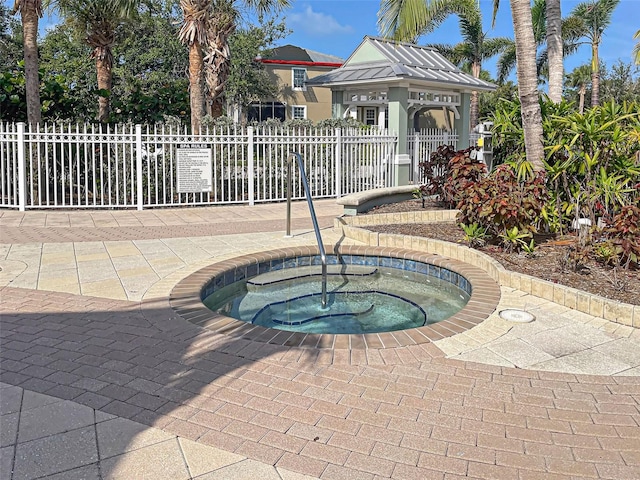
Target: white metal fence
column 131, row 166
column 128, row 166
column 421, row 144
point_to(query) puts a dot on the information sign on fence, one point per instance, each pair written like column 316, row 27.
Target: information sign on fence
column 194, row 168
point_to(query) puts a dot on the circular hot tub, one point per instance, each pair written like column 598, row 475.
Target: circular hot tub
column 370, row 291
column 365, row 294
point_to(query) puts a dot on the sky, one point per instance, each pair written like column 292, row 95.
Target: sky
column 337, row 27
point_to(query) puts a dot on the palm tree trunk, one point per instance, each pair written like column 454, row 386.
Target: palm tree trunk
column 582, row 92
column 595, row 76
column 218, row 59
column 105, row 76
column 554, row 50
column 29, row 13
column 528, row 82
column 475, row 101
column 196, row 87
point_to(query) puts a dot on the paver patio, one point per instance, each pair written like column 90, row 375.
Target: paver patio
column 101, row 379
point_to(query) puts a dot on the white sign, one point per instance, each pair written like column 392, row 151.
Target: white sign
column 194, row 169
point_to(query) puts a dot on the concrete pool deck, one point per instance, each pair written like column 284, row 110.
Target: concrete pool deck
column 101, row 379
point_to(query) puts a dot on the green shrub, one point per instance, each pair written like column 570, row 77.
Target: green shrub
column 505, row 206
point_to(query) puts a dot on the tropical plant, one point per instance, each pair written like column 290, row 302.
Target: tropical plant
column 463, row 171
column 30, row 13
column 408, row 20
column 529, row 249
column 206, row 28
column 624, row 234
column 592, row 160
column 434, row 173
column 580, row 79
column 474, row 234
column 513, row 239
column 636, row 48
column 98, row 21
column 500, row 202
column 593, row 17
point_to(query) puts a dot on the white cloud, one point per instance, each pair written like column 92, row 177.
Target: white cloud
column 316, row 23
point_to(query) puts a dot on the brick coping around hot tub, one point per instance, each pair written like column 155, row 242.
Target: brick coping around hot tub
column 186, row 300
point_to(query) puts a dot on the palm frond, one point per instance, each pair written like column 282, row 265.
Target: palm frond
column 506, row 63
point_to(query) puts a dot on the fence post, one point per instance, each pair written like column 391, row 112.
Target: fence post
column 415, row 170
column 139, row 165
column 338, row 160
column 250, row 163
column 22, row 179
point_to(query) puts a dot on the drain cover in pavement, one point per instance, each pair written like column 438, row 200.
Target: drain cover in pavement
column 519, row 316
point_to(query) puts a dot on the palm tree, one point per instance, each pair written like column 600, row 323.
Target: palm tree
column 636, row 48
column 554, row 49
column 595, row 16
column 507, row 61
column 405, row 21
column 98, row 21
column 222, row 24
column 206, row 27
column 194, row 34
column 528, row 82
column 30, row 12
column 580, row 78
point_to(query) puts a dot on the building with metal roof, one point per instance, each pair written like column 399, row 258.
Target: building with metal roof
column 396, row 84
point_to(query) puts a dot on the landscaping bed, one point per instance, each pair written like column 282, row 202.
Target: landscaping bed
column 548, row 261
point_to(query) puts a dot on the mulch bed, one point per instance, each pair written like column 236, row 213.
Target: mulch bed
column 548, row 263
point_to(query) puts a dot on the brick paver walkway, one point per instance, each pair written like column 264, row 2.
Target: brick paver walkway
column 401, row 413
column 405, row 413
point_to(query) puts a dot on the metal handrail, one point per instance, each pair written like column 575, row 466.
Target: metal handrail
column 314, row 219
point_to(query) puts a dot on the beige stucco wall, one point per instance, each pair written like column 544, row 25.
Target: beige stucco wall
column 317, row 99
column 434, row 118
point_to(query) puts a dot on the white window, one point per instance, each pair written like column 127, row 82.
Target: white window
column 370, row 116
column 298, row 111
column 299, row 77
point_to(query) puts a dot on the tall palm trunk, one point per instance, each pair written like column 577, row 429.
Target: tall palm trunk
column 475, row 100
column 528, row 82
column 582, row 92
column 102, row 40
column 196, row 86
column 193, row 33
column 31, row 11
column 105, row 76
column 218, row 60
column 595, row 75
column 554, row 50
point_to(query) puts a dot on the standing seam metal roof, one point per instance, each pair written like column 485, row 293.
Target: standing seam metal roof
column 403, row 60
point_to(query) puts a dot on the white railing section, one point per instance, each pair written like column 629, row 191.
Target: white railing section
column 133, row 166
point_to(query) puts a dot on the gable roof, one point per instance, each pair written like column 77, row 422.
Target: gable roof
column 376, row 60
column 293, row 55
